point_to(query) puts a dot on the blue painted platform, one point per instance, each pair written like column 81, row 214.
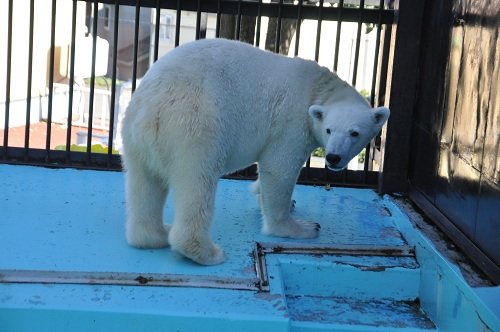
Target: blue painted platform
column 65, row 265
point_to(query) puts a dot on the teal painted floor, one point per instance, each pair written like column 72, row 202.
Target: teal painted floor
column 65, row 265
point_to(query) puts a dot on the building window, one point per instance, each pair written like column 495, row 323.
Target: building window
column 106, row 14
column 165, row 27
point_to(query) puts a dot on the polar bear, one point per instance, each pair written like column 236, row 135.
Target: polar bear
column 212, row 107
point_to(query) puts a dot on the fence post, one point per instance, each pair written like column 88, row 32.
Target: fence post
column 401, row 94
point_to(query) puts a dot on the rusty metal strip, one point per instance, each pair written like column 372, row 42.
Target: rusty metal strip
column 127, row 279
column 264, row 248
column 350, row 250
column 261, row 267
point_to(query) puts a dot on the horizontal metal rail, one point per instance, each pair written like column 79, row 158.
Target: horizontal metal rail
column 272, row 9
column 125, row 279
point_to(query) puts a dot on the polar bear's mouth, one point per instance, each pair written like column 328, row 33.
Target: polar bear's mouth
column 334, row 168
column 334, row 162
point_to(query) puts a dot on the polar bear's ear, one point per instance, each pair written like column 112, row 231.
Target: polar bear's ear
column 317, row 112
column 380, row 115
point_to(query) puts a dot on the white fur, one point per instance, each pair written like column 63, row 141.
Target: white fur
column 212, row 107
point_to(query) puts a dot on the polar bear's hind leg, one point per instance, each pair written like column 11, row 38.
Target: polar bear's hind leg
column 145, row 201
column 194, row 196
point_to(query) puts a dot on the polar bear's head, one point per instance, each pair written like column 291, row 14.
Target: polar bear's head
column 345, row 128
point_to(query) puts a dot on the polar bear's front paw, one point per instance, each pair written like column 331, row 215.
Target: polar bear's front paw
column 143, row 237
column 208, row 255
column 199, row 249
column 296, row 229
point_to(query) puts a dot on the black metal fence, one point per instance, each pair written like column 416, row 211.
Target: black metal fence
column 65, row 93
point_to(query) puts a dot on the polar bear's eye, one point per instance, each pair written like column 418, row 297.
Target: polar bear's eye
column 328, row 131
column 354, row 134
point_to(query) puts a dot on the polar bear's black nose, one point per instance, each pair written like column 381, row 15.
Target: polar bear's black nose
column 333, row 159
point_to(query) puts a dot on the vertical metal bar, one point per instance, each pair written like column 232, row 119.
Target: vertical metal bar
column 385, row 54
column 157, row 28
column 355, row 70
column 113, row 80
column 377, row 50
column 203, row 25
column 178, row 23
column 238, row 21
column 336, row 56
column 318, row 31
column 296, row 52
column 92, row 81
column 88, row 15
column 136, row 43
column 307, row 168
column 259, row 18
column 198, row 20
column 71, row 81
column 297, row 31
column 405, row 57
column 7, row 83
column 337, row 38
column 278, row 28
column 51, row 79
column 368, row 164
column 30, row 78
column 358, row 42
column 326, row 172
column 217, row 23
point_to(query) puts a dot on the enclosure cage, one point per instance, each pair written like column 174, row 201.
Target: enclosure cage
column 98, row 50
column 68, row 69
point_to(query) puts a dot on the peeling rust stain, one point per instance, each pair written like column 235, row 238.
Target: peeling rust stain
column 373, row 268
column 268, row 296
column 142, row 280
column 278, row 249
column 389, row 213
